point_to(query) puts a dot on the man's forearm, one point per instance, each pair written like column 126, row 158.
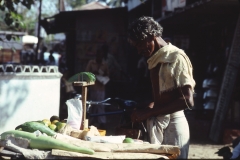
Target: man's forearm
column 167, row 105
column 169, row 108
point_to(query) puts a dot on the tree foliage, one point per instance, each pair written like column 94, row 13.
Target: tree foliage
column 12, row 18
column 10, row 15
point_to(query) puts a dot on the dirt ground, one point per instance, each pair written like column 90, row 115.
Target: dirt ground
column 201, row 147
column 204, row 151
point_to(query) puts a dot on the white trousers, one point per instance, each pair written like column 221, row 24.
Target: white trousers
column 177, row 133
column 170, row 131
column 156, row 127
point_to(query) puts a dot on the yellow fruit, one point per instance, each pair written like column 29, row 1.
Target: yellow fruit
column 46, row 122
column 55, row 121
column 60, row 125
column 53, row 127
column 128, row 140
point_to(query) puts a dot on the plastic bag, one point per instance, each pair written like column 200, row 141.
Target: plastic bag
column 74, row 113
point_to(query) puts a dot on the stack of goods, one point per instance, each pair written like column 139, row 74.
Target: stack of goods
column 54, row 138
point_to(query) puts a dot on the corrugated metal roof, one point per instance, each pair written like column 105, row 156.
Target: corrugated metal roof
column 92, row 6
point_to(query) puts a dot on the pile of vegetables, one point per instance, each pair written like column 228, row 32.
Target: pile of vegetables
column 45, row 142
column 47, row 126
column 46, row 139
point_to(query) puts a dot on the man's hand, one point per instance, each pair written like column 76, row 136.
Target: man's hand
column 151, row 105
column 140, row 115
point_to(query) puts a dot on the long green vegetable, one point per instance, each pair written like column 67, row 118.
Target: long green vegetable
column 45, row 142
column 34, row 126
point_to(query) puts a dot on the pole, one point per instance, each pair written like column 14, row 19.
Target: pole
column 38, row 31
column 84, row 98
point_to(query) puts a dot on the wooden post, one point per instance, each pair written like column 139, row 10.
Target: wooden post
column 84, row 98
column 84, row 85
column 228, row 82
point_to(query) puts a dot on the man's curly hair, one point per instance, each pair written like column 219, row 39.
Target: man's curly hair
column 144, row 27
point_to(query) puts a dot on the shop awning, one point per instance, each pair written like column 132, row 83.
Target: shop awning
column 204, row 12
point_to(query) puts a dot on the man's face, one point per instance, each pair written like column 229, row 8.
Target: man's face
column 145, row 47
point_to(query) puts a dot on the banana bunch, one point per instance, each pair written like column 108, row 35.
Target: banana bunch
column 83, row 76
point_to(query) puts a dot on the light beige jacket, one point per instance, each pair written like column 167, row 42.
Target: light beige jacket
column 176, row 69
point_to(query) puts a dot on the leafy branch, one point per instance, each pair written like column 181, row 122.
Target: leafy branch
column 12, row 18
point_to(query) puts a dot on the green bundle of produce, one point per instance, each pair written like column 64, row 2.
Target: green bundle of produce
column 83, row 76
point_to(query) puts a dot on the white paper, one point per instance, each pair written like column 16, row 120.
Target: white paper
column 103, row 79
column 105, row 139
column 74, row 113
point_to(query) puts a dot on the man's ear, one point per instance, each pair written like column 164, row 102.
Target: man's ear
column 159, row 42
column 156, row 39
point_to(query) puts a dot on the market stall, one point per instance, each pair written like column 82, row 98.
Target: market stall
column 56, row 139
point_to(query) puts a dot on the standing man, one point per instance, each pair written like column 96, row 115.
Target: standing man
column 172, row 85
column 51, row 59
column 115, row 70
column 98, row 67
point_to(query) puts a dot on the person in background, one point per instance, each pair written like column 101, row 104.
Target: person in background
column 51, row 59
column 68, row 86
column 98, row 66
column 62, row 66
column 112, row 63
column 27, row 55
column 172, row 85
column 67, row 91
column 115, row 71
column 41, row 59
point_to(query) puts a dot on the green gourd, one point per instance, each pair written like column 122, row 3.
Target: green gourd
column 34, row 126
